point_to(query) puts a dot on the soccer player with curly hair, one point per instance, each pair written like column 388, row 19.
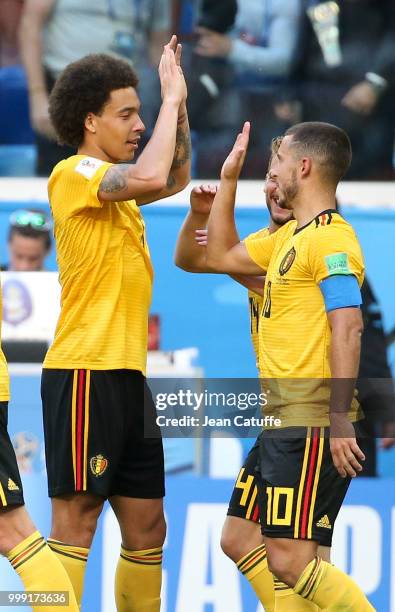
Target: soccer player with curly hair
column 95, row 398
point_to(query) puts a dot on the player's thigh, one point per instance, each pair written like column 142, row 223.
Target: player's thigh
column 141, row 521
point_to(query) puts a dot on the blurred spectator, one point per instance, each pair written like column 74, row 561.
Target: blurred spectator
column 375, row 384
column 29, row 241
column 54, row 33
column 9, row 21
column 208, row 76
column 259, row 51
column 345, row 74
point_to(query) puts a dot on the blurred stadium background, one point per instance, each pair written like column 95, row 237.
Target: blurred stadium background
column 274, row 62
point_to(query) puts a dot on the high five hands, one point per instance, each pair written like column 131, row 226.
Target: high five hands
column 234, row 162
column 173, row 86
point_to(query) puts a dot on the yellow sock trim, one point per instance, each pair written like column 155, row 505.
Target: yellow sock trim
column 254, row 567
column 138, row 580
column 69, row 550
column 150, row 556
column 287, row 600
column 26, row 549
column 73, row 559
column 310, row 579
column 331, row 589
column 249, row 565
column 40, row 570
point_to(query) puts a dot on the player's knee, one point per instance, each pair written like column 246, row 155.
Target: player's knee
column 148, row 534
column 87, row 521
column 158, row 530
column 240, row 537
column 230, row 545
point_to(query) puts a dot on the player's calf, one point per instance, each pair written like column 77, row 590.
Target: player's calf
column 139, row 570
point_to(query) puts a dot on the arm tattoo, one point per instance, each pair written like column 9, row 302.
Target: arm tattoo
column 182, row 152
column 115, row 179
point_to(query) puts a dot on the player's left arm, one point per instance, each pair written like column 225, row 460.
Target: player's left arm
column 337, row 266
column 346, row 330
column 180, row 171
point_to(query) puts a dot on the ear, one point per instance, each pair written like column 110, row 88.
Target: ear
column 90, row 123
column 305, row 166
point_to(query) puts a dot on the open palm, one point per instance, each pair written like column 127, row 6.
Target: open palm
column 234, row 162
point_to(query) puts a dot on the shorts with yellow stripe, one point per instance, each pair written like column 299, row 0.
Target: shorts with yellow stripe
column 94, row 424
column 11, row 493
column 300, row 490
column 244, row 500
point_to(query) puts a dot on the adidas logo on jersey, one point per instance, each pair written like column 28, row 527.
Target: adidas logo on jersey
column 12, row 486
column 324, row 522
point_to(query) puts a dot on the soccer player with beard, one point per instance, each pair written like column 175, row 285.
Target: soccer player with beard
column 309, row 345
column 242, row 540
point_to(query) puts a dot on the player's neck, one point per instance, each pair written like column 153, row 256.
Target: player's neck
column 309, row 205
column 92, row 150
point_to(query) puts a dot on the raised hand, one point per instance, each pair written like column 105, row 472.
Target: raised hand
column 234, row 162
column 202, row 198
column 173, row 86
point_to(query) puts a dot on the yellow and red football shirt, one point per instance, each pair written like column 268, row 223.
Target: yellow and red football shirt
column 294, row 332
column 105, row 273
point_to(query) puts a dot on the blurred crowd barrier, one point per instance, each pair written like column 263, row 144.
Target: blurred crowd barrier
column 273, row 63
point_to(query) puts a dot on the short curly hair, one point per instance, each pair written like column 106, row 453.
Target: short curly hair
column 84, row 87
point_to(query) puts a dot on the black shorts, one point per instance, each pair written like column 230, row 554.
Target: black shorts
column 300, row 490
column 11, row 493
column 244, row 500
column 94, row 434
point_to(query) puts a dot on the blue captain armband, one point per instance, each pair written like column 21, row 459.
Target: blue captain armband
column 341, row 291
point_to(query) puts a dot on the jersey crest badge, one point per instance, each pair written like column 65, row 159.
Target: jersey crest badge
column 98, row 465
column 287, row 262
